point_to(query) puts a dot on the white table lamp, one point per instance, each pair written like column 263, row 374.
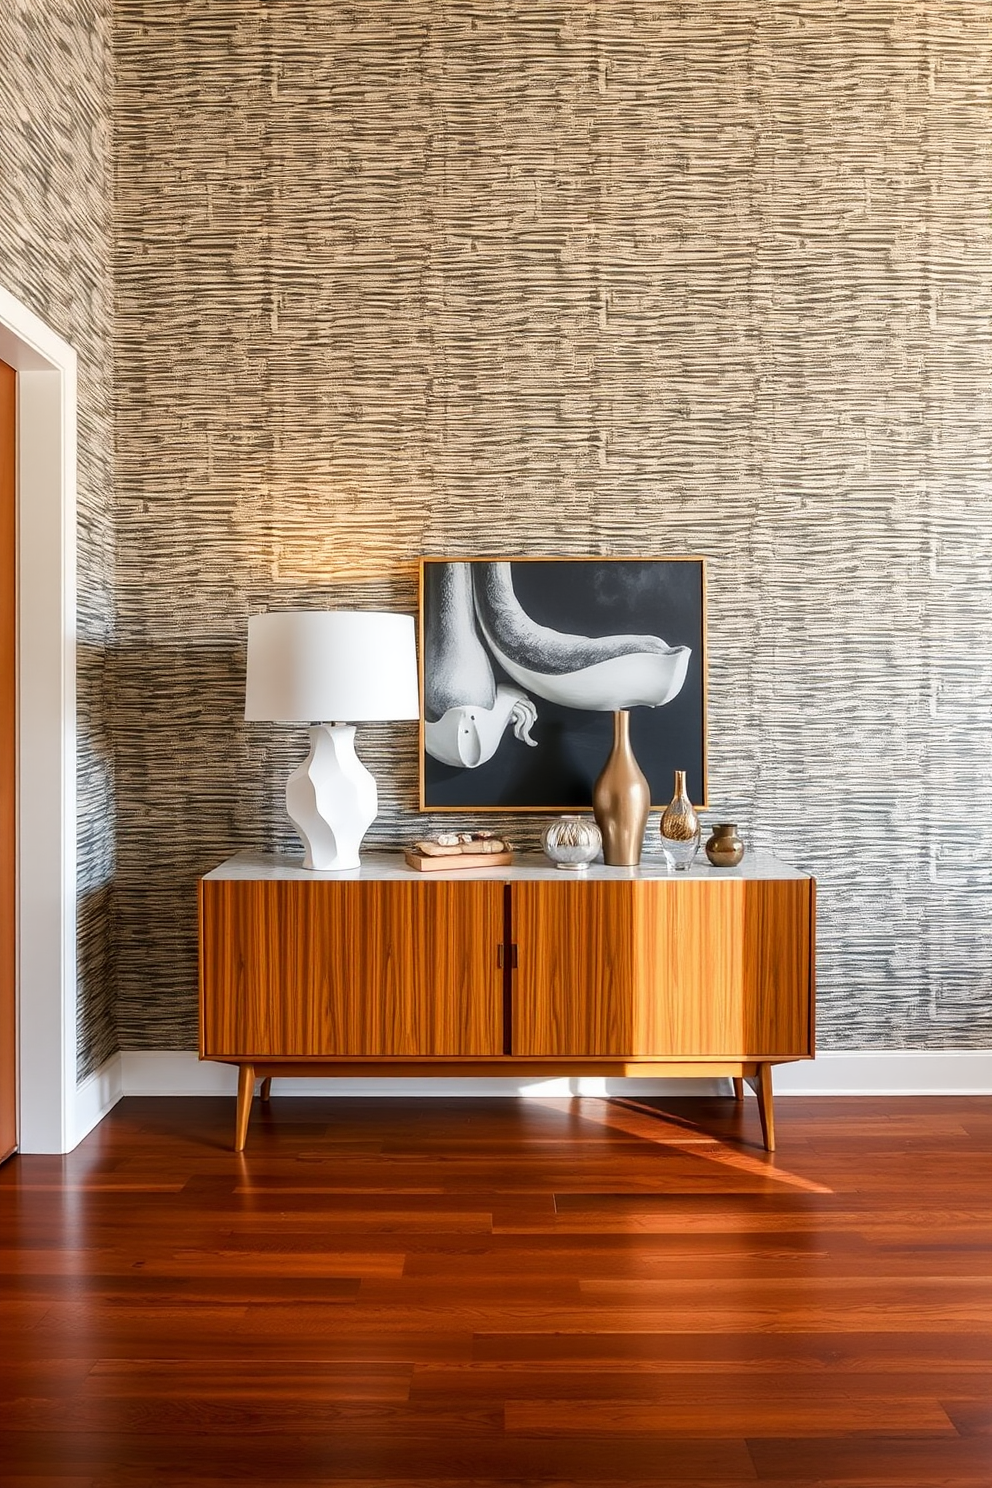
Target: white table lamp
column 322, row 667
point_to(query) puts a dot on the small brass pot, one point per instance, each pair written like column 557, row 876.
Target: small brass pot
column 725, row 849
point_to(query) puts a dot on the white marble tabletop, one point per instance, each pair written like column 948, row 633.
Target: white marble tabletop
column 526, row 865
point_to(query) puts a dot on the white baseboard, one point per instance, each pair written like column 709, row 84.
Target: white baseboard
column 889, row 1072
column 834, row 1072
column 96, row 1095
column 184, row 1074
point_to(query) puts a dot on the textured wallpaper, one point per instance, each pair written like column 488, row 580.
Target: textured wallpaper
column 55, row 256
column 632, row 277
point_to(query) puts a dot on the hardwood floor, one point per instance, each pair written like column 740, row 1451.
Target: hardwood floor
column 472, row 1293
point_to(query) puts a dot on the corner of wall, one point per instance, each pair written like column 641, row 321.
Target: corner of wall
column 96, row 1096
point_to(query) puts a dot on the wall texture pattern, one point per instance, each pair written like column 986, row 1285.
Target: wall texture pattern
column 614, row 276
column 56, row 256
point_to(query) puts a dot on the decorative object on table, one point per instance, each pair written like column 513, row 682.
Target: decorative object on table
column 460, row 850
column 571, row 842
column 311, row 666
column 524, row 659
column 680, row 831
column 621, row 799
column 724, row 848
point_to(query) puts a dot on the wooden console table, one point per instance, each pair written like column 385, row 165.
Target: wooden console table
column 520, row 971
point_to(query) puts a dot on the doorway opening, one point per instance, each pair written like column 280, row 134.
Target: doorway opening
column 45, row 683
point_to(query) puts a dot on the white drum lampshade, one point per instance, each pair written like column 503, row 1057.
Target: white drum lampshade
column 331, row 669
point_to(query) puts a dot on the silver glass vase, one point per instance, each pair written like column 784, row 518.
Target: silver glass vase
column 571, row 842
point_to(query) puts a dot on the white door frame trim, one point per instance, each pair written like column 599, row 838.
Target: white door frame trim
column 46, row 752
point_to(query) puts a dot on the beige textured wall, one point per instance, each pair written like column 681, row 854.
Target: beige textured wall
column 56, row 253
column 641, row 277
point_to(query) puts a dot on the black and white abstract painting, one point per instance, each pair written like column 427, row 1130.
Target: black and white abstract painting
column 525, row 661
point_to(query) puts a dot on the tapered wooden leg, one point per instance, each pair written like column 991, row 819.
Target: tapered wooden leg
column 266, row 1089
column 762, row 1087
column 246, row 1091
column 738, row 1087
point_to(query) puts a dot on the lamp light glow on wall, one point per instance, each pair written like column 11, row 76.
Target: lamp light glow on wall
column 323, row 667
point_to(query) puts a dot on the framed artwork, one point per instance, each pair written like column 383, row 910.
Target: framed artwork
column 524, row 661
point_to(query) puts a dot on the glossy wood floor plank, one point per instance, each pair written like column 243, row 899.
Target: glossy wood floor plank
column 460, row 1294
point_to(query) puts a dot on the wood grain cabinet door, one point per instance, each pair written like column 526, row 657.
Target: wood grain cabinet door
column 290, row 968
column 645, row 969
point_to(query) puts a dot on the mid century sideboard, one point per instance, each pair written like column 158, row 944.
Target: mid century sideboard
column 525, row 971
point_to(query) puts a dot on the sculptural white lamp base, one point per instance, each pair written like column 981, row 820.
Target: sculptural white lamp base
column 307, row 665
column 332, row 798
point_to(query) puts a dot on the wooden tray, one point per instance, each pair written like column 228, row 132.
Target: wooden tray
column 425, row 864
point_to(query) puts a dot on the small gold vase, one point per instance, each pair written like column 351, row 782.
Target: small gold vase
column 725, row 849
column 621, row 800
column 680, row 831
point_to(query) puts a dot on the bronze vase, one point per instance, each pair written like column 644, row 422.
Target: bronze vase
column 725, row 849
column 621, row 800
